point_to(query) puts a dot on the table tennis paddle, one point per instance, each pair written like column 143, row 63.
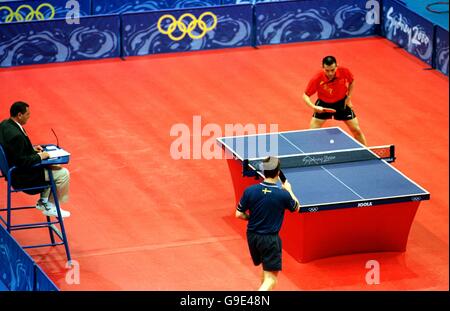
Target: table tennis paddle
column 328, row 110
column 282, row 177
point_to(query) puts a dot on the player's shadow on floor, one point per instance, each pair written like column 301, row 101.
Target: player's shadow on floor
column 238, row 225
column 347, row 272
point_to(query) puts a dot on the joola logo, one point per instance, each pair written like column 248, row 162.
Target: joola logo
column 364, row 204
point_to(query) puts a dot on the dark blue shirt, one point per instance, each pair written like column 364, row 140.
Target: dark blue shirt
column 266, row 203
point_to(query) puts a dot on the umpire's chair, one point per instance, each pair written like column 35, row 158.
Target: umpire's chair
column 51, row 225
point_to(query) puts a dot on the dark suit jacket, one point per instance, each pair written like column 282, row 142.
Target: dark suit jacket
column 20, row 153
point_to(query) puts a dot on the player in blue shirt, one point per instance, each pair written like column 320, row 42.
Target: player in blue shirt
column 266, row 203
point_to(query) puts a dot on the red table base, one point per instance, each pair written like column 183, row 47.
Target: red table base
column 314, row 235
column 240, row 183
column 380, row 228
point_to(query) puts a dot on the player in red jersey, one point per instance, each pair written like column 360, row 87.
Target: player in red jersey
column 334, row 88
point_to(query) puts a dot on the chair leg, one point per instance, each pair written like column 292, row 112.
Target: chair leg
column 50, row 231
column 8, row 209
column 52, row 227
column 60, row 219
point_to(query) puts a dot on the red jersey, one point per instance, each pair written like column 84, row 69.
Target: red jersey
column 330, row 91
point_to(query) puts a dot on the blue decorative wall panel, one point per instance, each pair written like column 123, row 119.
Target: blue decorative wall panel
column 295, row 21
column 121, row 6
column 227, row 2
column 3, row 287
column 16, row 266
column 56, row 41
column 17, row 11
column 187, row 30
column 43, row 283
column 441, row 57
column 408, row 30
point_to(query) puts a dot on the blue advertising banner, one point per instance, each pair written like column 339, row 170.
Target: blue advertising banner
column 295, row 21
column 19, row 11
column 441, row 56
column 128, row 6
column 408, row 30
column 3, row 287
column 57, row 41
column 187, row 30
column 43, row 283
column 16, row 266
column 226, row 2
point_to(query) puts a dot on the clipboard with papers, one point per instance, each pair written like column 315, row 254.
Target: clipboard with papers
column 57, row 155
column 56, row 152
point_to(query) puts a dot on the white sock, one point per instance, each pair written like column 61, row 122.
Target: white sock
column 44, row 200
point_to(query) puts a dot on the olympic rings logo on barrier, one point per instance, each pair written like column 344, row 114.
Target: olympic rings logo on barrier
column 313, row 209
column 17, row 14
column 189, row 28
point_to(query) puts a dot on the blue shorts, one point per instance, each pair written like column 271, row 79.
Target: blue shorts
column 265, row 249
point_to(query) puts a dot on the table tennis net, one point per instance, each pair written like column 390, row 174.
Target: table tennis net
column 332, row 157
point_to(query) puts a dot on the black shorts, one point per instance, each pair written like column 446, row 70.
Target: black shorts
column 342, row 113
column 265, row 249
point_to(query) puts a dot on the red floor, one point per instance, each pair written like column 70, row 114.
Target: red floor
column 143, row 221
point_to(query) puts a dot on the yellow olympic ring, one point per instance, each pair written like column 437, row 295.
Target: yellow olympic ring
column 31, row 12
column 191, row 26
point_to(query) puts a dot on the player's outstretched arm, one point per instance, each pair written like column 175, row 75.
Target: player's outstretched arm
column 308, row 101
column 241, row 215
column 286, row 185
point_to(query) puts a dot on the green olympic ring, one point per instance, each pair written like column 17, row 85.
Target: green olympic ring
column 17, row 14
column 186, row 30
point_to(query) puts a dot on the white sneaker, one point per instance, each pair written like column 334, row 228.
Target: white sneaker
column 40, row 205
column 49, row 209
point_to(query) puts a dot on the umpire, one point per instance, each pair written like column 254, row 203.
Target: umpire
column 266, row 203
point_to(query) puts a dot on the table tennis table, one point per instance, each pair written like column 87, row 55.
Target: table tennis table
column 352, row 199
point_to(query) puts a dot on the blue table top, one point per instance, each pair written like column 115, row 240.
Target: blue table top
column 322, row 187
column 289, row 143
